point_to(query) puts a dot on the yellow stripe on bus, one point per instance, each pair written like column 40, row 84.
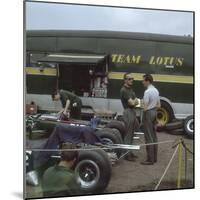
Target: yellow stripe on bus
column 118, row 75
column 156, row 77
column 39, row 71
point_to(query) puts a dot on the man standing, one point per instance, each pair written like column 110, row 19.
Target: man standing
column 70, row 102
column 151, row 103
column 59, row 180
column 129, row 101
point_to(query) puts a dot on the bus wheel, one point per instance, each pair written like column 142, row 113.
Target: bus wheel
column 164, row 114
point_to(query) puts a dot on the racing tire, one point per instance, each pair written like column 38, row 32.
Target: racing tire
column 29, row 162
column 179, row 131
column 93, row 171
column 109, row 137
column 119, row 125
column 189, row 126
column 164, row 114
column 173, row 125
column 115, row 132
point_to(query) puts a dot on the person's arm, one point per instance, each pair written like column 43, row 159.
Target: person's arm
column 131, row 101
column 145, row 101
column 64, row 101
column 61, row 111
column 66, row 107
column 145, row 106
column 158, row 105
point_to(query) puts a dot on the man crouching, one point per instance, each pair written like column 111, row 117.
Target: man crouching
column 59, row 180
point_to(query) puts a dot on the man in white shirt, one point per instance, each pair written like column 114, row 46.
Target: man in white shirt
column 151, row 103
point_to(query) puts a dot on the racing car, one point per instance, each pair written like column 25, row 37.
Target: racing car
column 45, row 123
column 99, row 141
column 93, row 169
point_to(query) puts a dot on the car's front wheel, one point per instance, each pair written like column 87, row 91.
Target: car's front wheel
column 93, row 171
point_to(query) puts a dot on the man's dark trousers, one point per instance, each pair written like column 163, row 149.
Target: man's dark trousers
column 149, row 121
column 131, row 123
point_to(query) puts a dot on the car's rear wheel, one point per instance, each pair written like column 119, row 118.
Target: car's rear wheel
column 108, row 137
column 119, row 125
column 116, row 133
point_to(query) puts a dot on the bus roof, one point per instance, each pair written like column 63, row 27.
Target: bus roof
column 110, row 34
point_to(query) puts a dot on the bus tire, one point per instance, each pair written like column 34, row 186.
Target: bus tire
column 189, row 126
column 119, row 125
column 98, row 168
column 165, row 114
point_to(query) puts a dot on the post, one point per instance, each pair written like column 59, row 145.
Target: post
column 179, row 164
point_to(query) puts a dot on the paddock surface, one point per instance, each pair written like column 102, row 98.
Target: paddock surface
column 132, row 176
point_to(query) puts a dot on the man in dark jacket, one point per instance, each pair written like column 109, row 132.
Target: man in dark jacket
column 71, row 103
column 129, row 101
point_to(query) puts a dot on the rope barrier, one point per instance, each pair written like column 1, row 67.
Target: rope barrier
column 105, row 147
column 166, row 169
column 162, row 142
column 179, row 146
column 60, row 150
column 186, row 148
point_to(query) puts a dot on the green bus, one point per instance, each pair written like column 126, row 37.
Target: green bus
column 92, row 64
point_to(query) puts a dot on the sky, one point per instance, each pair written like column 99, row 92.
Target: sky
column 53, row 16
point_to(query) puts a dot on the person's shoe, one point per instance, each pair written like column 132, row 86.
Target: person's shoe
column 147, row 163
column 129, row 158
